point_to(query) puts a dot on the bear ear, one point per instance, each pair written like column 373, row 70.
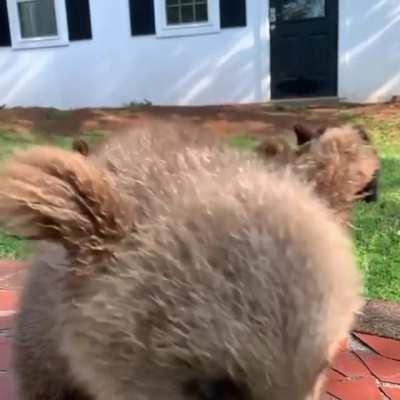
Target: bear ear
column 81, row 146
column 305, row 134
column 273, row 147
column 50, row 194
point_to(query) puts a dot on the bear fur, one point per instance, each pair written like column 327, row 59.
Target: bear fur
column 172, row 269
column 368, row 193
column 340, row 163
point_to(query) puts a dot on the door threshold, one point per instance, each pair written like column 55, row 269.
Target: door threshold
column 307, row 100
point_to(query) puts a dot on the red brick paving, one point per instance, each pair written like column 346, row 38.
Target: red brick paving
column 385, row 369
column 6, row 322
column 392, row 393
column 8, row 300
column 335, row 376
column 5, row 354
column 364, row 388
column 366, row 368
column 7, row 389
column 348, row 364
column 388, row 348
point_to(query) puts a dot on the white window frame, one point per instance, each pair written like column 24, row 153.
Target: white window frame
column 18, row 42
column 192, row 28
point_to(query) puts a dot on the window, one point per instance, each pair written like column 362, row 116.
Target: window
column 186, row 11
column 303, row 9
column 37, row 19
column 186, row 17
column 38, row 23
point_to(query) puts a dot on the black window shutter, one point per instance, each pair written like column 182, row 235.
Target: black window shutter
column 233, row 13
column 142, row 17
column 79, row 23
column 5, row 37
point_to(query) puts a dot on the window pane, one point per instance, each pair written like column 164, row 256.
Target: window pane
column 187, row 14
column 303, row 9
column 173, row 15
column 201, row 13
column 37, row 18
column 186, row 11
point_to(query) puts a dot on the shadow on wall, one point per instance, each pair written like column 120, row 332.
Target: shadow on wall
column 229, row 72
column 18, row 73
column 239, row 60
column 370, row 51
column 163, row 71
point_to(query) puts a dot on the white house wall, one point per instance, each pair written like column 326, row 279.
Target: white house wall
column 231, row 66
column 369, row 50
column 115, row 68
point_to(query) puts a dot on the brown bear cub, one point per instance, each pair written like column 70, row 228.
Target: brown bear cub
column 340, row 163
column 186, row 274
column 367, row 193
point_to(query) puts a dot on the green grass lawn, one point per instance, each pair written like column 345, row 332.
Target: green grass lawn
column 377, row 226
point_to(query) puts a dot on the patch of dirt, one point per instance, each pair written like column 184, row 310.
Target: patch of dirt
column 259, row 119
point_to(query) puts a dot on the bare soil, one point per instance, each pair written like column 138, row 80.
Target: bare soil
column 259, row 119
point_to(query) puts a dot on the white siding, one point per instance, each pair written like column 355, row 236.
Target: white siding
column 231, row 66
column 369, row 50
column 115, row 68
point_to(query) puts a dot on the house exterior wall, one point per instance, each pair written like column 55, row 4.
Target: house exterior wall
column 369, row 50
column 230, row 66
column 114, row 68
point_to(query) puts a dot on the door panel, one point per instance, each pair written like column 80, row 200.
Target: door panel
column 304, row 36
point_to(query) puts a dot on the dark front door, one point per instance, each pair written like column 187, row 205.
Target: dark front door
column 304, row 48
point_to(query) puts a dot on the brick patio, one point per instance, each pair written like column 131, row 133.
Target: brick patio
column 366, row 368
